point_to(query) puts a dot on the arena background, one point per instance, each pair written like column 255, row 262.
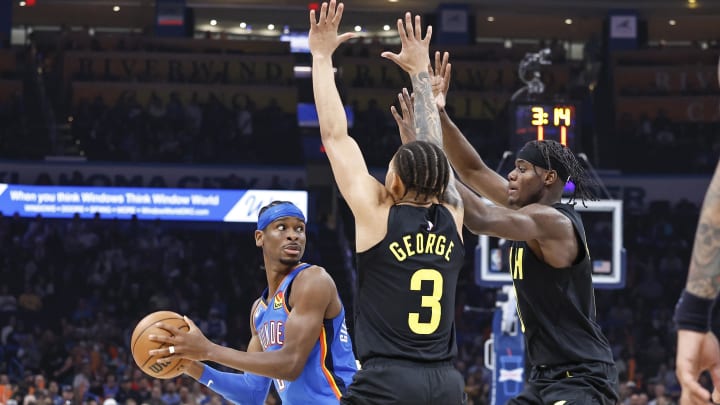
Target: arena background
column 182, row 94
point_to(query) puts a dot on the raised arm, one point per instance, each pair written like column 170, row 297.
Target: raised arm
column 468, row 164
column 361, row 191
column 414, row 58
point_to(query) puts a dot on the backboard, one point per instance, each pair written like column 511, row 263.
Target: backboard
column 604, row 231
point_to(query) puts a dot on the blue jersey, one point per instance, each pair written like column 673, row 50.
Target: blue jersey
column 331, row 364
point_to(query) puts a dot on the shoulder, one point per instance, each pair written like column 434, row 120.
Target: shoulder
column 547, row 216
column 541, row 210
column 312, row 287
column 255, row 305
column 314, row 275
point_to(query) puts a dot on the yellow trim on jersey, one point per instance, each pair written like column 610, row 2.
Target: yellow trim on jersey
column 326, row 372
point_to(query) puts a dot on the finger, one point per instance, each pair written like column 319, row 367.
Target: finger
column 344, row 37
column 163, row 352
column 338, row 14
column 401, row 30
column 190, row 323
column 331, row 10
column 396, row 115
column 428, row 34
column 446, row 77
column 392, row 56
column 689, row 384
column 430, row 70
column 323, row 13
column 406, row 94
column 403, row 104
column 418, row 27
column 159, row 338
column 313, row 19
column 438, row 65
column 715, row 376
column 408, row 25
column 164, row 357
column 445, row 58
column 170, row 328
column 697, row 393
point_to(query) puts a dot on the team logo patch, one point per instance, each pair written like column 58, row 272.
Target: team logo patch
column 278, row 300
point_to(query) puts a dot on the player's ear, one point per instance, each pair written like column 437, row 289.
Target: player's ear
column 258, row 238
column 550, row 177
column 395, row 185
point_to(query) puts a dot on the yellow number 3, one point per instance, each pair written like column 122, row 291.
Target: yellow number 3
column 428, row 301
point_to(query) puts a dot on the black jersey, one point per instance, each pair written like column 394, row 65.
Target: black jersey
column 557, row 306
column 405, row 299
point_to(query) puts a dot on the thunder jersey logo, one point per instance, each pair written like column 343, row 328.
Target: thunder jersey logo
column 278, row 300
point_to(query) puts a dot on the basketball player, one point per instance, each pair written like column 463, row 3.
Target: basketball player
column 549, row 261
column 697, row 346
column 299, row 337
column 698, row 349
column 408, row 244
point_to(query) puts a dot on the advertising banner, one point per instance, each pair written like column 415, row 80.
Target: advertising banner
column 142, row 203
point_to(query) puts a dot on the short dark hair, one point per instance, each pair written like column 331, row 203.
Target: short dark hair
column 423, row 168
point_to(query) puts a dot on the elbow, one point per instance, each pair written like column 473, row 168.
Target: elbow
column 292, row 368
column 475, row 223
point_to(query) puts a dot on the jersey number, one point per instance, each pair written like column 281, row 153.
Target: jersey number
column 428, row 301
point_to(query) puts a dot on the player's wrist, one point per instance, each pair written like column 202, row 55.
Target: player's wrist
column 693, row 312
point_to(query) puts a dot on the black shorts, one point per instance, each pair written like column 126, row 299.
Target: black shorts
column 593, row 383
column 391, row 381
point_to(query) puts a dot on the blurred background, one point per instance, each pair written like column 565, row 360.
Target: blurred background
column 212, row 96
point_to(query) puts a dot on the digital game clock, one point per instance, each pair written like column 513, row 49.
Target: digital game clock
column 554, row 121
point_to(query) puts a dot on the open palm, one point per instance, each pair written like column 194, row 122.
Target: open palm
column 323, row 38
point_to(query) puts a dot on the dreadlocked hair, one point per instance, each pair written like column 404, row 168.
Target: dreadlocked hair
column 423, row 168
column 557, row 153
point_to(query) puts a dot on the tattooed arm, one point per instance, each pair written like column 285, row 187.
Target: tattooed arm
column 698, row 349
column 414, row 58
column 704, row 274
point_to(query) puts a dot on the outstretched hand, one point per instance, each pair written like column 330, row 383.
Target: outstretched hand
column 191, row 344
column 323, row 38
column 440, row 78
column 414, row 54
column 406, row 121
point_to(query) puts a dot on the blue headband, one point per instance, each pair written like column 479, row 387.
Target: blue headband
column 278, row 211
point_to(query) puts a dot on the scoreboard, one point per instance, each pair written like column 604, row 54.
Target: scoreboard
column 540, row 121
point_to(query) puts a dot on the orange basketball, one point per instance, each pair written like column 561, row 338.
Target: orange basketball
column 140, row 344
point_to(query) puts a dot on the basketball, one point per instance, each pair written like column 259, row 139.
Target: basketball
column 140, row 344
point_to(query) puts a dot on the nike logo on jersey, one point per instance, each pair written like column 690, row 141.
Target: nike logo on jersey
column 430, row 226
column 560, row 402
column 210, row 382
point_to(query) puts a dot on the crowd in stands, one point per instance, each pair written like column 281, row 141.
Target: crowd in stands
column 194, row 132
